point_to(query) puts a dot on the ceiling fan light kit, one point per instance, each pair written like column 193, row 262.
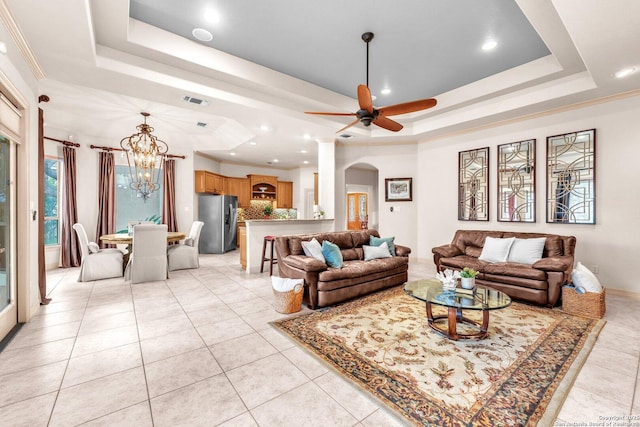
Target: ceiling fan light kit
column 368, row 114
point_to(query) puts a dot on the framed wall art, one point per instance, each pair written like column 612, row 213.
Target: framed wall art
column 398, row 189
column 571, row 178
column 473, row 185
column 517, row 181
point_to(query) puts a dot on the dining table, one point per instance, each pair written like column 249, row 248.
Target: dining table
column 127, row 239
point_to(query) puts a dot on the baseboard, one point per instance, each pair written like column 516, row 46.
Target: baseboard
column 623, row 293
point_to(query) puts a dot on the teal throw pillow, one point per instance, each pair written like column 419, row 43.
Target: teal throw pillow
column 332, row 254
column 377, row 241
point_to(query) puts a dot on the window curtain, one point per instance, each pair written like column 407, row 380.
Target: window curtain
column 106, row 197
column 68, row 239
column 169, row 196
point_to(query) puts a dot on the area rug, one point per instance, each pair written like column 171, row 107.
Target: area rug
column 518, row 375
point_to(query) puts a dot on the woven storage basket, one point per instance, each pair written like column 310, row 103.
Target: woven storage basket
column 589, row 304
column 289, row 301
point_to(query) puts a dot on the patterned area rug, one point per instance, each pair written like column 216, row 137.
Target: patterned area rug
column 518, row 375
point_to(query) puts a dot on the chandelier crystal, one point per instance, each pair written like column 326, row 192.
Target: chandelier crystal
column 144, row 151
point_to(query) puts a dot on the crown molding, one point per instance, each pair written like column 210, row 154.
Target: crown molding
column 20, row 41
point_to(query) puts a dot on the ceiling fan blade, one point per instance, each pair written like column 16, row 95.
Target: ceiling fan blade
column 408, row 107
column 386, row 123
column 349, row 125
column 329, row 114
column 364, row 98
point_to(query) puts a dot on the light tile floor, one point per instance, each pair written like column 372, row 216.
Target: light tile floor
column 198, row 349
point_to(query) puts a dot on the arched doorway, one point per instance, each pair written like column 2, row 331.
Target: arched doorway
column 361, row 188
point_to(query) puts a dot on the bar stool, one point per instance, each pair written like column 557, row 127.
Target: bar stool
column 272, row 261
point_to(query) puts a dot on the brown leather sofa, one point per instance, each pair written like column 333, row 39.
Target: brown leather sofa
column 540, row 283
column 327, row 286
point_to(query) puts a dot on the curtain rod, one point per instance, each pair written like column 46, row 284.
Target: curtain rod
column 107, row 149
column 68, row 143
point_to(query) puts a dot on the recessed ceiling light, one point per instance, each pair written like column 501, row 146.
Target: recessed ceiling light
column 307, row 136
column 489, row 45
column 253, row 143
column 625, row 72
column 303, row 151
column 385, row 91
column 265, row 128
column 202, row 34
column 212, row 16
column 306, row 162
column 373, row 97
column 232, row 154
column 3, row 48
column 275, row 160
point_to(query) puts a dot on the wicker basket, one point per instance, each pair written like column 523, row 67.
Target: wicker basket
column 589, row 304
column 289, row 301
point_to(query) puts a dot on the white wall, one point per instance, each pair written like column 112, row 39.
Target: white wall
column 397, row 161
column 612, row 243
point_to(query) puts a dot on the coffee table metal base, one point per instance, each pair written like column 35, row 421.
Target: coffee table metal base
column 453, row 317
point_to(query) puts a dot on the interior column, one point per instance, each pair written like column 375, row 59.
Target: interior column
column 326, row 176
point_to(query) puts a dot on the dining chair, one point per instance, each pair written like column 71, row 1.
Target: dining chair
column 97, row 263
column 148, row 261
column 185, row 255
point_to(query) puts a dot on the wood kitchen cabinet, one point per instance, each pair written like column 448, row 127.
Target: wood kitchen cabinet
column 284, row 194
column 263, row 187
column 241, row 188
column 242, row 243
column 209, row 182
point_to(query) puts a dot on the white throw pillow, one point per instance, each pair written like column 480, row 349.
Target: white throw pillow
column 313, row 248
column 526, row 251
column 376, row 252
column 94, row 248
column 582, row 277
column 496, row 250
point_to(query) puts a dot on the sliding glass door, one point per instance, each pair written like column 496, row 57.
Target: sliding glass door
column 8, row 308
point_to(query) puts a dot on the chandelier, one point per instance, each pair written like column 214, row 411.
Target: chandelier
column 143, row 150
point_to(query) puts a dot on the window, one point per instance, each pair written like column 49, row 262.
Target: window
column 52, row 167
column 129, row 207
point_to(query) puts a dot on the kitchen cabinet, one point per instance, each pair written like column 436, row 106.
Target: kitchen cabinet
column 242, row 243
column 209, row 182
column 241, row 188
column 263, row 187
column 284, row 194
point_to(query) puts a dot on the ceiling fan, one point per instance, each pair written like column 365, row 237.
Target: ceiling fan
column 368, row 114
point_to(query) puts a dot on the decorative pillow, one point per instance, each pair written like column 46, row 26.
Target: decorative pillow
column 496, row 250
column 376, row 252
column 376, row 241
column 93, row 248
column 332, row 254
column 526, row 251
column 583, row 278
column 188, row 241
column 282, row 284
column 313, row 248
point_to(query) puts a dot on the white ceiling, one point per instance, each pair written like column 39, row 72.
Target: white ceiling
column 103, row 67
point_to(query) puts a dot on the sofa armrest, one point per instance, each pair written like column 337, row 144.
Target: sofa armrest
column 402, row 250
column 446, row 251
column 306, row 263
column 555, row 263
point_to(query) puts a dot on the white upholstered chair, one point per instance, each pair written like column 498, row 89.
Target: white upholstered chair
column 97, row 263
column 148, row 261
column 186, row 255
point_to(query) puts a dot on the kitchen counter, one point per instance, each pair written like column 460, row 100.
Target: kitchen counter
column 257, row 229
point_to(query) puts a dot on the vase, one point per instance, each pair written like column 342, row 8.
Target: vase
column 467, row 282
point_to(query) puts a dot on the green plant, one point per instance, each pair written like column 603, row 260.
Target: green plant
column 268, row 210
column 468, row 273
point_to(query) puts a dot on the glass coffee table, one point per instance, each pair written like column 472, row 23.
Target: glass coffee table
column 483, row 299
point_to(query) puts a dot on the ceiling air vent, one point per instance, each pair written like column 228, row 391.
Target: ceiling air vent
column 201, row 124
column 345, row 136
column 193, row 100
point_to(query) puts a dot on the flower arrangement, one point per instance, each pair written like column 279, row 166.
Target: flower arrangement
column 468, row 273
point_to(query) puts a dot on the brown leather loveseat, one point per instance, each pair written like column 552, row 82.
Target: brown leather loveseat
column 326, row 285
column 540, row 283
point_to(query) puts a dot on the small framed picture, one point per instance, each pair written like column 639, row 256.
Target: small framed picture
column 398, row 189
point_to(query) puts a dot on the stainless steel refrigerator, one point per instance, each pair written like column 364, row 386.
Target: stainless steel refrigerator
column 220, row 217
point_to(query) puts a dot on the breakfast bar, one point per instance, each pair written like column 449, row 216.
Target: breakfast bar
column 257, row 229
